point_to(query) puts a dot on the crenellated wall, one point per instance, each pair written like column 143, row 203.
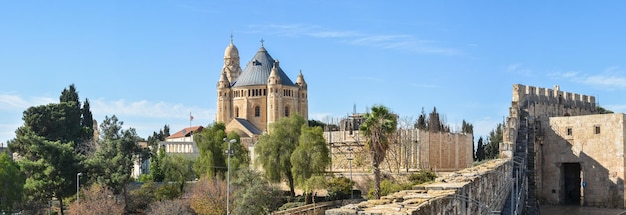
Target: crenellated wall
column 541, row 103
column 481, row 189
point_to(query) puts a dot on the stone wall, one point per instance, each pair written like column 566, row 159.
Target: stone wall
column 595, row 143
column 410, row 150
column 540, row 104
column 476, row 190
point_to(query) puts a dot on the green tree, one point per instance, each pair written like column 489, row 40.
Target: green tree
column 112, row 163
column 468, row 128
column 275, row 148
column 50, row 168
column 602, row 110
column 311, row 156
column 212, row 145
column 54, row 122
column 178, row 169
column 47, row 143
column 378, row 127
column 492, row 147
column 156, row 166
column 480, row 150
column 11, row 183
column 156, row 154
column 421, row 121
column 254, row 194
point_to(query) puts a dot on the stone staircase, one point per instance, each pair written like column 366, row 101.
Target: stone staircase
column 531, row 202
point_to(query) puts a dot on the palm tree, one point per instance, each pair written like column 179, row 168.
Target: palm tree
column 377, row 127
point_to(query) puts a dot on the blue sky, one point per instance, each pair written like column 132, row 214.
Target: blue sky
column 151, row 63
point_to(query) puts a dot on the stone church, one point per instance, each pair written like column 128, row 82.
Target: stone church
column 249, row 100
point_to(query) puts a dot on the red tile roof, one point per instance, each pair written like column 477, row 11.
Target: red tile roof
column 186, row 132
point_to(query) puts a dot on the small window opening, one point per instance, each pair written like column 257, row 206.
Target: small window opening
column 597, row 129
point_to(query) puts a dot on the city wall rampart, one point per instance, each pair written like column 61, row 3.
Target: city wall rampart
column 541, row 103
column 478, row 190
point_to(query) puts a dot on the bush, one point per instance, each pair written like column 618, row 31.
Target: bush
column 339, row 188
column 387, row 187
column 98, row 200
column 290, row 205
column 144, row 178
column 142, row 197
column 208, row 196
column 168, row 192
column 421, row 177
column 167, row 207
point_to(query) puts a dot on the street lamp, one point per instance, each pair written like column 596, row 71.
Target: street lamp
column 229, row 152
column 78, row 186
column 350, row 159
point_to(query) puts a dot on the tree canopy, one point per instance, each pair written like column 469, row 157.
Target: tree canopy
column 275, row 148
column 12, row 183
column 311, row 156
column 212, row 144
column 47, row 143
column 112, row 163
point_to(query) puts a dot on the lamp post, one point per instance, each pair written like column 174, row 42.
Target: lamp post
column 78, row 186
column 350, row 160
column 229, row 152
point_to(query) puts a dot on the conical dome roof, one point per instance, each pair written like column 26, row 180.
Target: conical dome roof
column 258, row 70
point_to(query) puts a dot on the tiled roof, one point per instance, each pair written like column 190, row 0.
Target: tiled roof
column 185, row 132
column 248, row 125
column 258, row 70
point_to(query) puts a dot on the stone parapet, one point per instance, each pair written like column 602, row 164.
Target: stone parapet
column 477, row 190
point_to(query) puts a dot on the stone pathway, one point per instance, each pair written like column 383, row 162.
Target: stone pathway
column 578, row 210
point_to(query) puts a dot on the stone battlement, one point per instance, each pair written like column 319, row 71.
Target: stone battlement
column 522, row 93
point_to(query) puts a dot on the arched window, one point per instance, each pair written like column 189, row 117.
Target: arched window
column 287, row 111
column 236, row 111
column 257, row 111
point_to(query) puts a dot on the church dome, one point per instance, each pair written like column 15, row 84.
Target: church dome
column 258, row 70
column 231, row 51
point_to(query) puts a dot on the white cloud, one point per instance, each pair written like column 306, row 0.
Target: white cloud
column 608, row 81
column 612, row 78
column 145, row 116
column 15, row 102
column 141, row 108
column 520, row 69
column 383, row 41
column 617, row 108
column 483, row 126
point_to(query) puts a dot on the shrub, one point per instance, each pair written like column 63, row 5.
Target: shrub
column 98, row 200
column 168, row 207
column 290, row 205
column 422, row 176
column 167, row 192
column 208, row 196
column 339, row 188
column 387, row 187
column 142, row 197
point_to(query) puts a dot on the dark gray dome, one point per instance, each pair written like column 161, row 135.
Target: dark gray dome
column 258, row 70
